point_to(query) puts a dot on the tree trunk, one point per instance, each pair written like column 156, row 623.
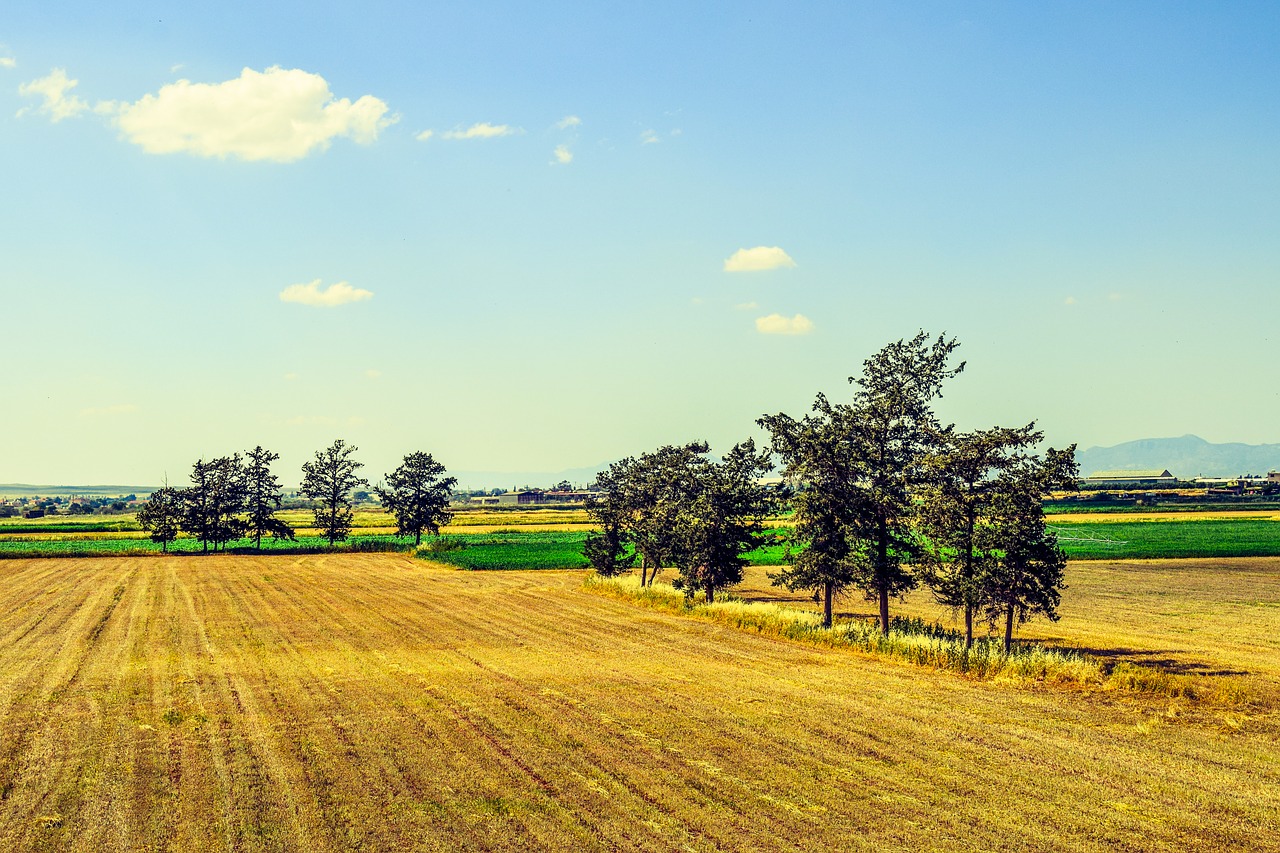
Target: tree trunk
column 882, row 557
column 828, row 591
column 711, row 592
column 1008, row 629
column 644, row 572
column 968, row 626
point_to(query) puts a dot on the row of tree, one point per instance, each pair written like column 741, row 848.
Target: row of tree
column 233, row 497
column 886, row 498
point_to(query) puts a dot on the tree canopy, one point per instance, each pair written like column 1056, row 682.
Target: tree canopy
column 417, row 493
column 329, row 479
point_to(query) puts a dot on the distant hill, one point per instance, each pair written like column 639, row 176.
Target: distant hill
column 1187, row 457
column 24, row 489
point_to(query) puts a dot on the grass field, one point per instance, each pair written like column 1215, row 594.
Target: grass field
column 378, row 702
column 536, row 544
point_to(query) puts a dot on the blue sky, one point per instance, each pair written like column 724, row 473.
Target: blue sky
column 509, row 234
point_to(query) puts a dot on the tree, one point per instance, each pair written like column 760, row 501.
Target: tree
column 894, row 427
column 642, row 497
column 607, row 551
column 816, row 452
column 330, row 479
column 263, row 496
column 875, row 449
column 966, row 482
column 162, row 516
column 213, row 501
column 1027, row 579
column 720, row 519
column 418, row 494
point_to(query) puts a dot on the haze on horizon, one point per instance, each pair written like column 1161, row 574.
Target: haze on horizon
column 535, row 238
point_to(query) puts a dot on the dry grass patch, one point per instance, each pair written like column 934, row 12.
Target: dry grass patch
column 377, row 702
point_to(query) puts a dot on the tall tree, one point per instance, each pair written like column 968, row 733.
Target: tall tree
column 1027, row 579
column 966, row 480
column 330, row 479
column 197, row 514
column 162, row 516
column 881, row 439
column 720, row 519
column 817, row 454
column 226, row 499
column 417, row 494
column 263, row 496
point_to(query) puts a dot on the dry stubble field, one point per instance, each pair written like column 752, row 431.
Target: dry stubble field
column 374, row 702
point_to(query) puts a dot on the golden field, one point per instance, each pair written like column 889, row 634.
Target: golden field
column 376, row 702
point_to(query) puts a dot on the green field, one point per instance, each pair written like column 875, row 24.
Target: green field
column 562, row 549
column 1157, row 539
column 543, row 549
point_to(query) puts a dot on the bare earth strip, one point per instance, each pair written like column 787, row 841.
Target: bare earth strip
column 373, row 702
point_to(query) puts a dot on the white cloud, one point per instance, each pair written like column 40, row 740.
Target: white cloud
column 107, row 411
column 757, row 259
column 563, row 155
column 568, row 122
column 277, row 114
column 481, row 130
column 335, row 294
column 8, row 62
column 747, row 306
column 425, row 135
column 54, row 88
column 649, row 137
column 776, row 324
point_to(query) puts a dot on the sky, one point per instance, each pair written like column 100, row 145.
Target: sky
column 539, row 237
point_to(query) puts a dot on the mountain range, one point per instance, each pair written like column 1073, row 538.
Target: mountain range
column 1187, row 457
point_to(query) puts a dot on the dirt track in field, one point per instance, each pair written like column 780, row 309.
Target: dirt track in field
column 373, row 702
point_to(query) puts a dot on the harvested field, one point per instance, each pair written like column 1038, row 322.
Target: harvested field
column 377, row 702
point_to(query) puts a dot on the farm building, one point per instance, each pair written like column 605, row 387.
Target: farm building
column 1150, row 477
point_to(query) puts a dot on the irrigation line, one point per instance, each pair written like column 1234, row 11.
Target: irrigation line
column 1104, row 540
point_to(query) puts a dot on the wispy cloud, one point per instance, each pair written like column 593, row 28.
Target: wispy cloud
column 55, row 90
column 373, row 374
column 290, row 376
column 568, row 122
column 563, row 155
column 776, row 324
column 339, row 293
column 108, row 411
column 649, row 137
column 758, row 259
column 8, row 62
column 747, row 306
column 425, row 135
column 276, row 114
column 481, row 130
column 1070, row 300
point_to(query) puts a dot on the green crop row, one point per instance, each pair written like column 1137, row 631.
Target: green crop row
column 552, row 549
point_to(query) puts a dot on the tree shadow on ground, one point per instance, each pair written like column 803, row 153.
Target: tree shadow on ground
column 1160, row 659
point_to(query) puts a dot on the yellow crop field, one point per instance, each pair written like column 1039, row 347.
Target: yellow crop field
column 375, row 702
